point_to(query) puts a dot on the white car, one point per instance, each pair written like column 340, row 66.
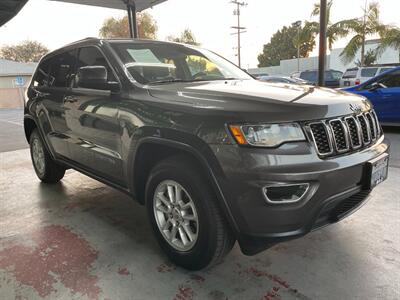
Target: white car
column 358, row 75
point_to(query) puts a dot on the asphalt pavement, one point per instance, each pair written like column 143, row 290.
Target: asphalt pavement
column 12, row 136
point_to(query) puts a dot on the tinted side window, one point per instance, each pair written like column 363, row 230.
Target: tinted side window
column 61, row 69
column 382, row 70
column 42, row 74
column 391, row 80
column 369, row 72
column 309, row 76
column 91, row 56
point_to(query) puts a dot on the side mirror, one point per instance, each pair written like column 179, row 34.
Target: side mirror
column 92, row 77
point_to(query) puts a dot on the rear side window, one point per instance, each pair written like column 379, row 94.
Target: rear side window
column 42, row 74
column 61, row 69
column 369, row 72
column 350, row 73
column 309, row 76
column 91, row 56
column 382, row 70
column 333, row 75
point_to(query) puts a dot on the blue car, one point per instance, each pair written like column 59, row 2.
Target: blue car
column 384, row 93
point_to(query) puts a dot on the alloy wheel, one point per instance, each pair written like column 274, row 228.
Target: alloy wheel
column 38, row 156
column 176, row 215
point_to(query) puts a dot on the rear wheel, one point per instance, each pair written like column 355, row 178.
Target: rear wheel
column 45, row 167
column 185, row 218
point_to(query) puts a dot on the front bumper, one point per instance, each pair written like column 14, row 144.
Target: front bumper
column 338, row 187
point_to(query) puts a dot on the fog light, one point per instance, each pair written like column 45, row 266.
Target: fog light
column 285, row 193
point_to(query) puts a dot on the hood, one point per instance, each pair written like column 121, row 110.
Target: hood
column 279, row 101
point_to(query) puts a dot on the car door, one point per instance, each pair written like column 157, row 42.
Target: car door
column 389, row 97
column 49, row 95
column 92, row 116
column 385, row 98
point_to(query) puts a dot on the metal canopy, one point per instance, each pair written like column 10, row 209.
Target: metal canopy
column 118, row 4
column 9, row 8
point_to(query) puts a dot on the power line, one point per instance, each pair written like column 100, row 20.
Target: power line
column 239, row 28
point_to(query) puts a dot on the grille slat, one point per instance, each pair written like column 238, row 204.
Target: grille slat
column 340, row 135
column 364, row 129
column 354, row 132
column 372, row 126
column 321, row 137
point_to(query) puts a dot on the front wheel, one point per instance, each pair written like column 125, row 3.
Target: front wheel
column 185, row 218
column 45, row 167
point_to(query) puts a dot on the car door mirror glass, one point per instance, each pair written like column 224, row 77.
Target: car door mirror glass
column 92, row 77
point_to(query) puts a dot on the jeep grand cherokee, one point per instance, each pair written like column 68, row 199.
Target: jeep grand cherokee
column 215, row 155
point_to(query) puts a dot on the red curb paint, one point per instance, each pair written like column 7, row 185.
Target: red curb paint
column 58, row 255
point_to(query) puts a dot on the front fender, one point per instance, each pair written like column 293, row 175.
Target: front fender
column 187, row 143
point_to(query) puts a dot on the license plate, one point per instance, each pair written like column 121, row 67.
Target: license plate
column 347, row 83
column 378, row 170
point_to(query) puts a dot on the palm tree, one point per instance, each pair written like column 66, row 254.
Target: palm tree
column 390, row 38
column 305, row 38
column 333, row 31
column 368, row 24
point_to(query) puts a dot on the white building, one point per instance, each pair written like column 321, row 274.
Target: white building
column 333, row 61
column 14, row 79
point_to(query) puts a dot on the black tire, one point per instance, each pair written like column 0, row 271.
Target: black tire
column 214, row 238
column 51, row 172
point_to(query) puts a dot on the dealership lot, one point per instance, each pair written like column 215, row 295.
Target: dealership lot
column 83, row 240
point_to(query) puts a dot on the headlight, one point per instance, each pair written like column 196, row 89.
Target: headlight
column 267, row 135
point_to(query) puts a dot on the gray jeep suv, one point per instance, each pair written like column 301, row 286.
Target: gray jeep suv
column 215, row 155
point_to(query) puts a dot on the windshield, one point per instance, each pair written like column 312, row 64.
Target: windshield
column 154, row 63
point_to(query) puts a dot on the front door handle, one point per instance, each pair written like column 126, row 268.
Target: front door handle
column 70, row 99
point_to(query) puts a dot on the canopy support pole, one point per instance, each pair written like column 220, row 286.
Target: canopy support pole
column 322, row 43
column 131, row 9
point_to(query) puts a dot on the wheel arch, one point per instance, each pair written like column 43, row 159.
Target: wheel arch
column 29, row 126
column 151, row 150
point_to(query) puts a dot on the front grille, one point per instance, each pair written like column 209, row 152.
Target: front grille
column 332, row 137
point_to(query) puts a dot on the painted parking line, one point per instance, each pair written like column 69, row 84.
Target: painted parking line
column 12, row 122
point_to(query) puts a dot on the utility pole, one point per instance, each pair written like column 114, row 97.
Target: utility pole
column 239, row 29
column 322, row 43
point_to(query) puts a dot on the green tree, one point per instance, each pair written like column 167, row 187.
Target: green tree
column 367, row 25
column 284, row 42
column 119, row 27
column 369, row 58
column 186, row 37
column 27, row 51
column 334, row 31
column 390, row 38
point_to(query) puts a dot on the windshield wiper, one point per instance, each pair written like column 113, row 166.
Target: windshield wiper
column 190, row 80
column 168, row 81
column 214, row 79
